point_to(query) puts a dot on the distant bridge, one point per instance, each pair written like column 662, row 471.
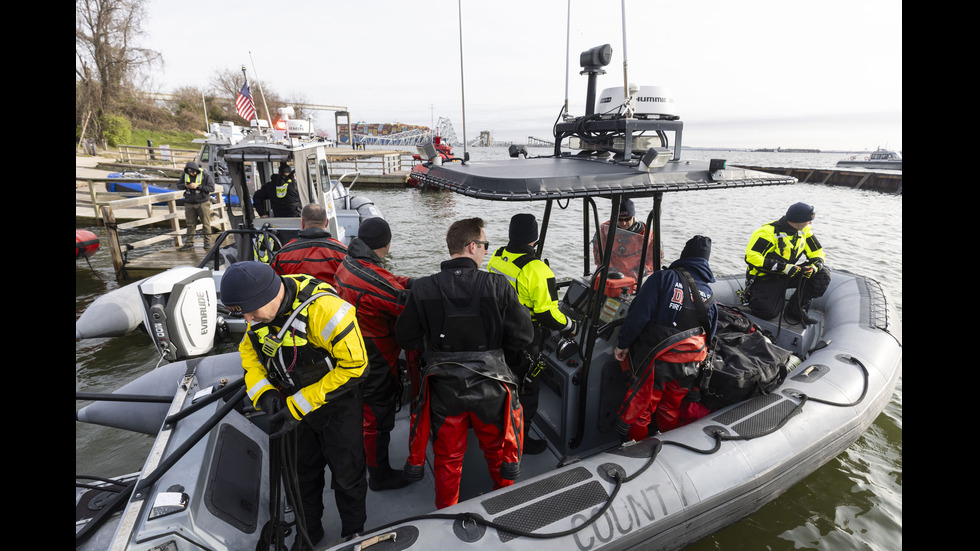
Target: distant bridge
column 411, row 138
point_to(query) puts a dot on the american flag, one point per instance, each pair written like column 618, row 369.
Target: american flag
column 244, row 104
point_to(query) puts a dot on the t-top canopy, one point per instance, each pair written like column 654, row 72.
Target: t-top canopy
column 542, row 178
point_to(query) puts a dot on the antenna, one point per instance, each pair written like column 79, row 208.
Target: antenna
column 268, row 115
column 626, row 86
column 462, row 87
column 568, row 45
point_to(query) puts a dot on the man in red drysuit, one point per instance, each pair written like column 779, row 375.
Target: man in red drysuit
column 379, row 298
column 464, row 320
column 315, row 252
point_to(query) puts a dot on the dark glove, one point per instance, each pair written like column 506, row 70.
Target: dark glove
column 281, row 423
column 792, row 270
column 808, row 271
column 270, row 402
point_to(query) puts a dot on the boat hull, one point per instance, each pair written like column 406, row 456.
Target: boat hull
column 86, row 244
column 880, row 165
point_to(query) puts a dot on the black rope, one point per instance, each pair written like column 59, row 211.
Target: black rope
column 620, row 479
column 137, row 485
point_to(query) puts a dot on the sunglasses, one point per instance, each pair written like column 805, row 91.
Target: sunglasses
column 486, row 244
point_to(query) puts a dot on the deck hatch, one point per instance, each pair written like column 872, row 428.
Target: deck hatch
column 234, row 480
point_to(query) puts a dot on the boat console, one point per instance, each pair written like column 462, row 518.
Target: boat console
column 561, row 412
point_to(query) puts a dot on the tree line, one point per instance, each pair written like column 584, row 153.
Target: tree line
column 113, row 81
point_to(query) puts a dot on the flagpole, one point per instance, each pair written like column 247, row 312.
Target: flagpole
column 207, row 125
column 245, row 75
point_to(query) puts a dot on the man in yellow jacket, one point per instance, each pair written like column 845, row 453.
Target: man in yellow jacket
column 773, row 256
column 536, row 289
column 304, row 361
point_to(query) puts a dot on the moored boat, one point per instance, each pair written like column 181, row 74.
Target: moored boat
column 437, row 152
column 589, row 490
column 153, row 302
column 86, row 244
column 880, row 158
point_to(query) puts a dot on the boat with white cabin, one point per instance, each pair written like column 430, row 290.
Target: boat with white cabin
column 880, row 158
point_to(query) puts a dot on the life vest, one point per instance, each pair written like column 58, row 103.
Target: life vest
column 265, row 244
column 282, row 188
column 282, row 345
column 193, row 194
column 627, row 247
column 197, row 180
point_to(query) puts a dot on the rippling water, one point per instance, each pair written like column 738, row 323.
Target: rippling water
column 852, row 502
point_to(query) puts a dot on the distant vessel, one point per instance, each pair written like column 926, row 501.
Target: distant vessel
column 438, row 151
column 879, row 158
column 786, row 150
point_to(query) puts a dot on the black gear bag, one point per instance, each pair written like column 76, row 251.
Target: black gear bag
column 742, row 363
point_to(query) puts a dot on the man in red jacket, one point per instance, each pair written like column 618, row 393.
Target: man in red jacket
column 315, row 252
column 379, row 298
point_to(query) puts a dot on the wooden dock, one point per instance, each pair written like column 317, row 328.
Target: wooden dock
column 885, row 182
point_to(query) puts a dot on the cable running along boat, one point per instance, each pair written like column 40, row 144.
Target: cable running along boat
column 588, row 490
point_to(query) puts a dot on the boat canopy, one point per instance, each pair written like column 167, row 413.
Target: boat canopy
column 545, row 178
column 269, row 152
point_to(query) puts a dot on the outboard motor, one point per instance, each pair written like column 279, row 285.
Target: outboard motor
column 180, row 311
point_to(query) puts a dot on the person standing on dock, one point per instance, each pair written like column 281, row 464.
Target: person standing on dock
column 773, row 254
column 379, row 297
column 198, row 184
column 304, row 361
column 537, row 290
column 314, row 251
column 465, row 321
column 282, row 192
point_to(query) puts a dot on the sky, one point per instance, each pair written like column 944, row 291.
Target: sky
column 743, row 74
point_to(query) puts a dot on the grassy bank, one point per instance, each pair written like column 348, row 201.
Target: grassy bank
column 176, row 140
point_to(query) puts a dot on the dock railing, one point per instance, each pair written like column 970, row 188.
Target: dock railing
column 383, row 164
column 161, row 155
column 153, row 203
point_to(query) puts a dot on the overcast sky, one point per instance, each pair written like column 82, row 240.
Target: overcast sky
column 751, row 73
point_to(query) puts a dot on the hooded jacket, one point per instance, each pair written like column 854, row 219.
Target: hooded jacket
column 650, row 304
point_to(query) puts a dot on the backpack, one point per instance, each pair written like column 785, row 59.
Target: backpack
column 742, row 364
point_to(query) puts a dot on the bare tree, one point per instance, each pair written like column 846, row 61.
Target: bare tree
column 107, row 57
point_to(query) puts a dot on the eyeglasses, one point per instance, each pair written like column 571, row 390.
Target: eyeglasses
column 486, row 244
